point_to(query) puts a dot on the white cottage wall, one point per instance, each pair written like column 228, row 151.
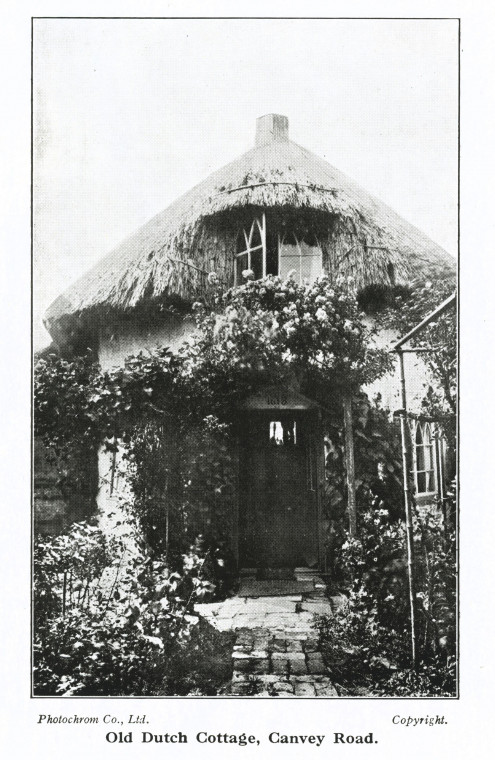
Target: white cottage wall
column 115, row 346
column 417, row 378
column 129, row 339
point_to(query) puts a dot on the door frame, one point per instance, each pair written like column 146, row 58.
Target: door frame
column 264, row 405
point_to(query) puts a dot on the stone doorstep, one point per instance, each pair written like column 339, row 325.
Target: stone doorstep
column 245, row 621
column 229, row 610
column 262, row 605
column 272, row 600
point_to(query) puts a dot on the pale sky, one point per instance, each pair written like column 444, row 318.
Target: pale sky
column 129, row 114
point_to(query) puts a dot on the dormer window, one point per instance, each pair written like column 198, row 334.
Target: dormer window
column 300, row 255
column 267, row 251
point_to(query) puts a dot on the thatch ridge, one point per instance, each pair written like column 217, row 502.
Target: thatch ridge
column 168, row 257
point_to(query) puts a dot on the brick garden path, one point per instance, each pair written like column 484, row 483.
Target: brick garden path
column 275, row 653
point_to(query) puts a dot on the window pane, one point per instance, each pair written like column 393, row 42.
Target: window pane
column 276, row 433
column 257, row 263
column 283, row 433
column 310, row 262
column 428, row 457
column 255, row 235
column 241, row 242
column 271, row 252
column 241, row 263
column 305, row 259
column 421, row 482
column 289, row 260
column 420, row 458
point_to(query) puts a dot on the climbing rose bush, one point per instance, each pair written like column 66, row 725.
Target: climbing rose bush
column 271, row 328
column 264, row 331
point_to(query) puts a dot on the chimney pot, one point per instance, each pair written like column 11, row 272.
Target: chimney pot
column 271, row 128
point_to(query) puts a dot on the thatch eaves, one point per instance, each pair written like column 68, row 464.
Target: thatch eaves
column 169, row 257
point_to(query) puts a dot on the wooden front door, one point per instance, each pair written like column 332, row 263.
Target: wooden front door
column 278, row 515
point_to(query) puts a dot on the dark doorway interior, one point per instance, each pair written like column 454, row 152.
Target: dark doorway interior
column 278, row 509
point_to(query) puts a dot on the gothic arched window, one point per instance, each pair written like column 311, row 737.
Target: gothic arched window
column 269, row 251
column 424, row 459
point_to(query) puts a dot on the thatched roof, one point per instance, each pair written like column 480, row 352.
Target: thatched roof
column 168, row 257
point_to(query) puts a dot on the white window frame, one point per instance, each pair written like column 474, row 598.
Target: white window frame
column 260, row 223
column 428, row 434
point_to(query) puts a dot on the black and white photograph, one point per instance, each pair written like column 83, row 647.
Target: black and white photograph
column 245, row 257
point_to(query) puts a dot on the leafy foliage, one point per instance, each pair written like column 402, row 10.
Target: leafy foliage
column 270, row 328
column 367, row 643
column 257, row 333
column 376, row 440
column 176, row 414
column 440, row 336
column 110, row 624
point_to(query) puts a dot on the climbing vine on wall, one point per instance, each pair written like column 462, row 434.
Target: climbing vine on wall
column 439, row 338
column 176, row 414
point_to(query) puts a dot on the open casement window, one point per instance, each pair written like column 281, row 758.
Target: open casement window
column 424, row 458
column 265, row 251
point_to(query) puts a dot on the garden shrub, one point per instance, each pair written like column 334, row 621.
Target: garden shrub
column 376, row 440
column 367, row 643
column 114, row 629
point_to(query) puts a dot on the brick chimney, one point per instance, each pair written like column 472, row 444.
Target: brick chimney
column 271, row 128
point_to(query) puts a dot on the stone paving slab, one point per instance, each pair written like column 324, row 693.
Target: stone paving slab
column 275, row 653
